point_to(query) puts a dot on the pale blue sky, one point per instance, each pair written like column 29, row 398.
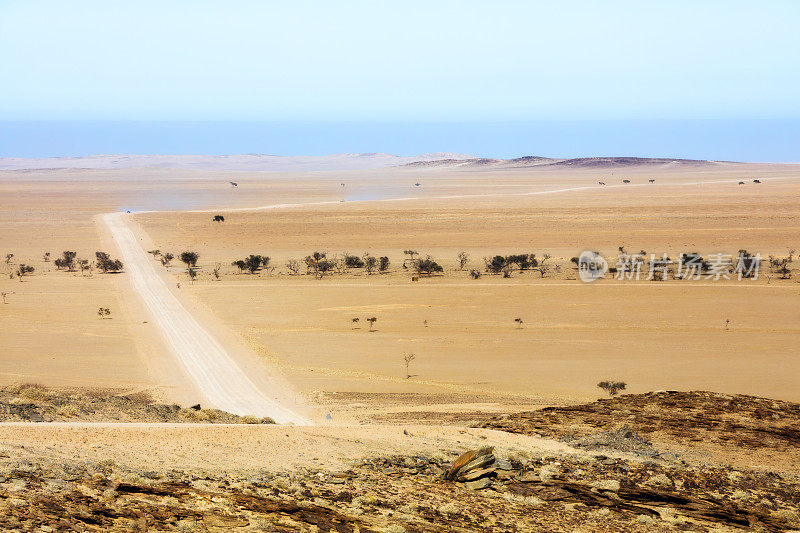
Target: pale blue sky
column 405, row 60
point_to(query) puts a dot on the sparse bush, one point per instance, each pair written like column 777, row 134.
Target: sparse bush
column 267, row 420
column 106, row 264
column 104, row 312
column 383, row 264
column 250, row 419
column 253, row 263
column 353, row 261
column 318, row 264
column 166, row 259
column 475, row 274
column 190, row 258
column 370, row 263
column 24, row 270
column 34, row 392
column 66, row 261
column 219, row 218
column 9, row 257
column 612, row 387
column 407, row 358
column 195, row 416
column 427, row 266
column 293, row 265
column 463, row 259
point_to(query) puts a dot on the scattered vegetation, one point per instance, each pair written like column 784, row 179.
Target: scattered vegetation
column 104, row 312
column 106, row 263
column 24, row 270
column 463, row 259
column 353, row 261
column 66, row 261
column 252, row 264
column 407, row 358
column 427, row 266
column 190, row 258
column 612, row 388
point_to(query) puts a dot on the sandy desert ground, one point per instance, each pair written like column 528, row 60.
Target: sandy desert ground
column 693, row 461
column 462, row 331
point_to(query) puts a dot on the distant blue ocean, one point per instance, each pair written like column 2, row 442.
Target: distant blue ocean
column 735, row 140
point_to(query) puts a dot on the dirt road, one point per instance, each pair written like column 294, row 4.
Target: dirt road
column 203, row 358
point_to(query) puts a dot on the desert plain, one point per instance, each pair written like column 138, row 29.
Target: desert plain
column 484, row 344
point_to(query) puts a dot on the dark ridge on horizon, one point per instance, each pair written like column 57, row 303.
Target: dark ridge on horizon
column 583, row 162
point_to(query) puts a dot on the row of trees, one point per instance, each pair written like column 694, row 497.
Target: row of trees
column 506, row 264
column 70, row 262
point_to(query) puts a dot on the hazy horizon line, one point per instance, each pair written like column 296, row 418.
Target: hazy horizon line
column 762, row 140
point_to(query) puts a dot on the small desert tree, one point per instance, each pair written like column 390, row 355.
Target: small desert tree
column 190, row 258
column 407, row 358
column 370, row 264
column 372, row 321
column 463, row 259
column 612, row 387
column 427, row 266
column 383, row 264
column 519, row 322
column 293, row 265
column 46, row 257
column 217, row 267
column 84, row 264
column 106, row 264
column 24, row 270
column 539, row 266
column 166, row 258
column 66, row 261
column 9, row 257
column 219, row 218
column 353, row 261
column 253, row 263
column 192, row 274
column 104, row 312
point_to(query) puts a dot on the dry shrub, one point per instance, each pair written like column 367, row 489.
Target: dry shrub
column 67, row 412
column 34, row 392
column 267, row 420
column 249, row 419
column 195, row 416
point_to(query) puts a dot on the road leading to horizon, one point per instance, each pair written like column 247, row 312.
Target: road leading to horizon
column 203, row 358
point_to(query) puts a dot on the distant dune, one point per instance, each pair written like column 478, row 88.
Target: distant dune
column 243, row 162
column 276, row 163
column 537, row 161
